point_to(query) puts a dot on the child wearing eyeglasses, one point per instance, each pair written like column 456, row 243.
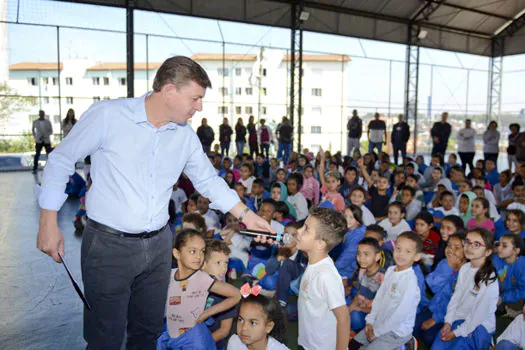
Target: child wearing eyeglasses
column 470, row 320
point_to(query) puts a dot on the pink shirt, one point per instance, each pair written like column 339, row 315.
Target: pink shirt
column 334, row 197
column 186, row 301
column 310, row 189
column 488, row 224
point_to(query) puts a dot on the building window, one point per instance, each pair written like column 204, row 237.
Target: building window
column 69, row 100
column 248, row 110
column 122, row 81
column 106, row 81
column 317, row 92
column 238, row 91
column 56, row 118
column 249, row 91
column 238, row 110
column 45, row 80
column 263, row 91
column 55, row 80
column 263, row 110
column 315, row 129
column 106, row 98
column 223, row 91
column 96, row 81
column 31, row 81
column 238, row 71
column 96, row 98
column 223, row 109
column 223, row 72
column 69, row 81
column 264, row 72
column 46, row 100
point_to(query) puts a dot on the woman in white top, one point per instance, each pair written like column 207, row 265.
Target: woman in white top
column 470, row 320
column 68, row 122
column 467, row 146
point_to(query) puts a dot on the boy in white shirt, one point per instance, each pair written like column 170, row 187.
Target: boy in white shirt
column 213, row 223
column 412, row 205
column 446, row 199
column 178, row 196
column 514, row 336
column 390, row 323
column 324, row 321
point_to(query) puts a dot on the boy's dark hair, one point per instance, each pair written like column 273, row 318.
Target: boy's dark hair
column 294, row 224
column 331, row 226
column 357, row 212
column 456, row 221
column 270, row 202
column 414, row 238
column 517, row 182
column 298, row 179
column 195, row 197
column 238, row 157
column 259, row 182
column 360, row 189
column 425, row 216
column 400, row 205
column 217, row 246
column 445, row 193
column 519, row 214
column 273, row 311
column 249, row 166
column 481, row 177
column 197, row 220
column 282, row 208
column 412, row 176
column 517, row 241
column 376, row 228
column 466, row 182
column 439, row 169
column 412, row 190
column 372, row 242
column 410, row 165
column 183, row 236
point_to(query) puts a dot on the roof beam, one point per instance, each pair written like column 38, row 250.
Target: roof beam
column 474, row 10
column 513, row 26
column 407, row 21
column 427, row 9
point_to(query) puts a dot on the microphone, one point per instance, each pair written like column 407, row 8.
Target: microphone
column 286, row 238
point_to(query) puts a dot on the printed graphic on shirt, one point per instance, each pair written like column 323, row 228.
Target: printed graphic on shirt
column 175, row 300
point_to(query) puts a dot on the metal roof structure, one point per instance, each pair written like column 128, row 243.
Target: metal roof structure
column 469, row 26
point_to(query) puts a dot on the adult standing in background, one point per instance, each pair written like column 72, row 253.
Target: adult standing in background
column 491, row 142
column 399, row 138
column 284, row 134
column 511, row 150
column 467, row 146
column 355, row 130
column 68, row 122
column 252, row 137
column 440, row 133
column 376, row 134
column 42, row 131
column 126, row 246
column 206, row 135
column 225, row 136
column 240, row 136
column 265, row 135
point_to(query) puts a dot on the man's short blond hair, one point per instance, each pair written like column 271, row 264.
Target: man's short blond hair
column 180, row 71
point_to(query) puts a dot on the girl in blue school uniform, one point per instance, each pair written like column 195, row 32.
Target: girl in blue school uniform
column 470, row 320
column 516, row 223
column 441, row 283
column 346, row 262
column 510, row 267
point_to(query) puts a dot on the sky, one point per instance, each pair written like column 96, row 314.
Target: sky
column 368, row 70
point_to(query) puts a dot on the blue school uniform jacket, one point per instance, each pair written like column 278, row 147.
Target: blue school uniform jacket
column 511, row 279
column 437, row 279
column 346, row 263
column 422, row 287
column 438, row 304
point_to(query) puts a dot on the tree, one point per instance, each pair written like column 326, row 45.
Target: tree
column 11, row 103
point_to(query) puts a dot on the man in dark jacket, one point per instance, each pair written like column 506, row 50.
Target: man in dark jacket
column 284, row 135
column 355, row 130
column 440, row 134
column 225, row 136
column 206, row 135
column 399, row 137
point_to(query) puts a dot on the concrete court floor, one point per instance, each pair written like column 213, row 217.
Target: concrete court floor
column 39, row 308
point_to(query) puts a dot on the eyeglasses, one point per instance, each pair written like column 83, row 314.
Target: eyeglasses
column 475, row 245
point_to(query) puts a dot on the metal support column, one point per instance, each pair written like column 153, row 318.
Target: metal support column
column 495, row 77
column 412, row 79
column 130, row 53
column 296, row 69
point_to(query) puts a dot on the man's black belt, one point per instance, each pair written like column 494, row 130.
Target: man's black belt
column 107, row 229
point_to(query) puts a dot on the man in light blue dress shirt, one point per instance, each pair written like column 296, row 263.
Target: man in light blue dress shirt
column 139, row 147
